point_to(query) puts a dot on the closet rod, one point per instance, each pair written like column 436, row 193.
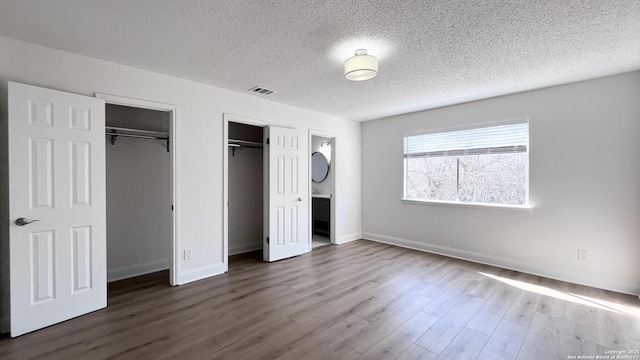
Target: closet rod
column 152, row 135
column 138, row 136
column 142, row 132
column 233, row 142
column 241, row 144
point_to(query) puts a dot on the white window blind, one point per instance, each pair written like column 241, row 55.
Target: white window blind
column 487, row 140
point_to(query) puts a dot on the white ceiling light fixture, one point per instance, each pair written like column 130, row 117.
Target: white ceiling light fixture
column 361, row 67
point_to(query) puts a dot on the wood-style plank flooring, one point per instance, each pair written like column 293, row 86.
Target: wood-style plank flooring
column 361, row 300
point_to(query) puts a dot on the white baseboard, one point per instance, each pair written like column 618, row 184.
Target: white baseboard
column 201, row 273
column 347, row 238
column 128, row 271
column 544, row 271
column 235, row 249
column 5, row 325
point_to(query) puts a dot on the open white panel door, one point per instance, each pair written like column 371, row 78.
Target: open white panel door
column 287, row 195
column 57, row 206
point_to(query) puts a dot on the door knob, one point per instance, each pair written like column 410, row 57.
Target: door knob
column 299, row 199
column 23, row 221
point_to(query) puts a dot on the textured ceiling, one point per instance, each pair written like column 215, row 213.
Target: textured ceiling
column 432, row 53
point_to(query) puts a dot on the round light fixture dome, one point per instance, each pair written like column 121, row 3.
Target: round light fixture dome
column 361, row 66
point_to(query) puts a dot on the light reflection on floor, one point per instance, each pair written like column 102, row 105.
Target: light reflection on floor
column 579, row 299
column 318, row 241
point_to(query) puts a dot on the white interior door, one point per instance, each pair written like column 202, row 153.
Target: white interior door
column 287, row 196
column 57, row 180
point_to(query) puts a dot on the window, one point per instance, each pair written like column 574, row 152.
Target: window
column 488, row 165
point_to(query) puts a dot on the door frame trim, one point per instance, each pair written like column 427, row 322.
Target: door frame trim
column 332, row 167
column 225, row 177
column 174, row 266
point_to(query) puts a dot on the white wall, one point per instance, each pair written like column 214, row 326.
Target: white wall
column 138, row 196
column 584, row 185
column 245, row 195
column 199, row 141
column 325, row 186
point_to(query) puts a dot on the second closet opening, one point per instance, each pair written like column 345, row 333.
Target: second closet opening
column 246, row 188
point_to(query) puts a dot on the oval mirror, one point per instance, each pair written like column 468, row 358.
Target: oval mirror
column 319, row 167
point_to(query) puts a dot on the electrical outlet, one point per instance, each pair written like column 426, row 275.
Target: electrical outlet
column 187, row 254
column 583, row 255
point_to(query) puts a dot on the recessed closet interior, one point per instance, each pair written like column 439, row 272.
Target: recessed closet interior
column 138, row 162
column 246, row 192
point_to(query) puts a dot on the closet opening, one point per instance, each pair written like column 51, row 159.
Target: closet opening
column 322, row 189
column 245, row 190
column 139, row 172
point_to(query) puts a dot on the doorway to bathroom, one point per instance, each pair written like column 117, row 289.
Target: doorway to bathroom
column 322, row 180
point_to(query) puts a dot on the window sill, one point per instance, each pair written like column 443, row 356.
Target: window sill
column 521, row 208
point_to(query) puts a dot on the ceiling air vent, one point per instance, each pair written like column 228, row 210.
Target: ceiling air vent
column 261, row 90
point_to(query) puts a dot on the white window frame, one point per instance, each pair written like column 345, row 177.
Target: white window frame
column 527, row 207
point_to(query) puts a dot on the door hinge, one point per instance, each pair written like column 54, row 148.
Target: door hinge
column 267, row 240
column 171, row 207
column 268, row 141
